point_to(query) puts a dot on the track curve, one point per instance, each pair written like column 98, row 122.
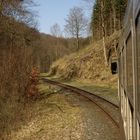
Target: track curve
column 97, row 100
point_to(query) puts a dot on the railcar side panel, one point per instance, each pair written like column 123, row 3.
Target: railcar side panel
column 138, row 60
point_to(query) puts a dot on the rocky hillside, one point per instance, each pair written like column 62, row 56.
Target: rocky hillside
column 88, row 63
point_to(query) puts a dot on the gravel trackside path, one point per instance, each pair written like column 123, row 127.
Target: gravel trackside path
column 66, row 116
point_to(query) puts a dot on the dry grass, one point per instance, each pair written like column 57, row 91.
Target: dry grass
column 44, row 118
column 88, row 63
column 107, row 91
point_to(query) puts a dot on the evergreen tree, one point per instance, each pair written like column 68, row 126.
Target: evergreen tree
column 120, row 6
column 106, row 18
column 109, row 12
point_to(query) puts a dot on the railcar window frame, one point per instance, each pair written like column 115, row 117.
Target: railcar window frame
column 137, row 22
column 124, row 66
column 121, row 69
column 138, row 130
column 129, row 66
column 131, row 118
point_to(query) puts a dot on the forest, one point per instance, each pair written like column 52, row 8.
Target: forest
column 107, row 17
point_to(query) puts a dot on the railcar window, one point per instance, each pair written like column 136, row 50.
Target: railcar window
column 136, row 2
column 129, row 68
column 138, row 47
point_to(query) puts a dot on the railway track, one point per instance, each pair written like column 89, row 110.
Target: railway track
column 107, row 107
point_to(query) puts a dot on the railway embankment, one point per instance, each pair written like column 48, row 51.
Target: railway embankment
column 86, row 69
column 87, row 64
column 106, row 91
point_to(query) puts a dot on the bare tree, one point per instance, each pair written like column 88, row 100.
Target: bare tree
column 89, row 4
column 56, row 30
column 19, row 10
column 76, row 24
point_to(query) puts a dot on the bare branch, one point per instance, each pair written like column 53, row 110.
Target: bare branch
column 56, row 30
column 76, row 23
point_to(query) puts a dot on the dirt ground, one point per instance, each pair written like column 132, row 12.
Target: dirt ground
column 64, row 116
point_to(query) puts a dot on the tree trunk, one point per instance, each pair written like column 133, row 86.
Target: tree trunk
column 111, row 25
column 114, row 16
column 77, row 42
column 103, row 31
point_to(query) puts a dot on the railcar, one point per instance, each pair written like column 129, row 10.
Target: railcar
column 129, row 71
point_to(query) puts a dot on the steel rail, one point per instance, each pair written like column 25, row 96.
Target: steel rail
column 82, row 93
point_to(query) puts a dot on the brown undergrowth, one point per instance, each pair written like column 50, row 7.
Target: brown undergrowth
column 14, row 109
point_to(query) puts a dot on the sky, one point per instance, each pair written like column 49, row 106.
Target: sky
column 53, row 11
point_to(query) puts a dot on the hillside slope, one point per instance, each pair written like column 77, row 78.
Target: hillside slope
column 88, row 63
